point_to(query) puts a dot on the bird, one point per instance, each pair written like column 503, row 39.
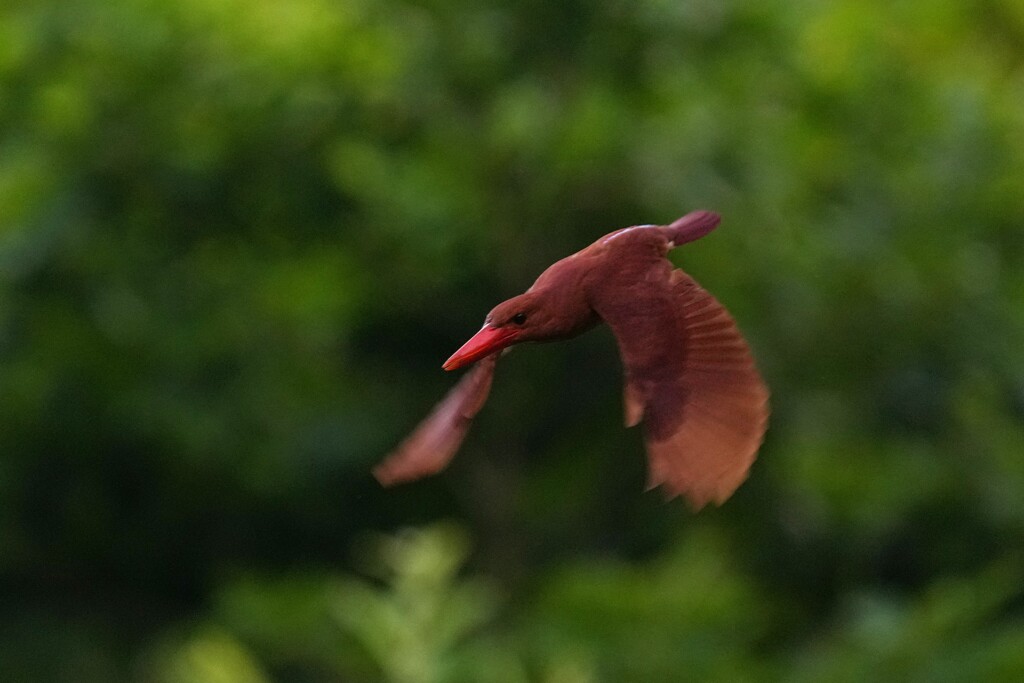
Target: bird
column 689, row 375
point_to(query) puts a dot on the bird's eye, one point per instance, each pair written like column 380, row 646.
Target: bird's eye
column 519, row 318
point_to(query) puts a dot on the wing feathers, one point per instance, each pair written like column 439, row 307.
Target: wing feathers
column 725, row 412
column 705, row 407
column 433, row 443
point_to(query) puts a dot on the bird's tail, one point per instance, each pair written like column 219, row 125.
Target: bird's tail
column 692, row 226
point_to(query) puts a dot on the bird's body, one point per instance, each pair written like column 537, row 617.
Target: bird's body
column 689, row 376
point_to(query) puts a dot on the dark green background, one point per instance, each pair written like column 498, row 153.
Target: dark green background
column 238, row 238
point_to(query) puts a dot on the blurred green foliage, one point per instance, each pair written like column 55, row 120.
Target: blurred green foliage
column 238, row 238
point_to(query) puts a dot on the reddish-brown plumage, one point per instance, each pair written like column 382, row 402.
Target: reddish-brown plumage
column 689, row 376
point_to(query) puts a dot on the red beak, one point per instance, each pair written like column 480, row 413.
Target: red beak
column 485, row 342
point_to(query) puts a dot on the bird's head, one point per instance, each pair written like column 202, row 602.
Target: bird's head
column 522, row 318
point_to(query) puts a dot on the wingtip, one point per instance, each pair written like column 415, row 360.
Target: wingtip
column 696, row 500
column 385, row 475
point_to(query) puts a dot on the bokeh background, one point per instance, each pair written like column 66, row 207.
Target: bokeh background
column 238, row 238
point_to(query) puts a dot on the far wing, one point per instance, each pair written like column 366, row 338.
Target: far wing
column 433, row 443
column 690, row 377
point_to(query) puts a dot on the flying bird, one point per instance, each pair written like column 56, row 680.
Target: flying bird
column 689, row 375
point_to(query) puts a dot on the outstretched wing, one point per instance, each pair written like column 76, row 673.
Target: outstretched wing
column 433, row 443
column 690, row 377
